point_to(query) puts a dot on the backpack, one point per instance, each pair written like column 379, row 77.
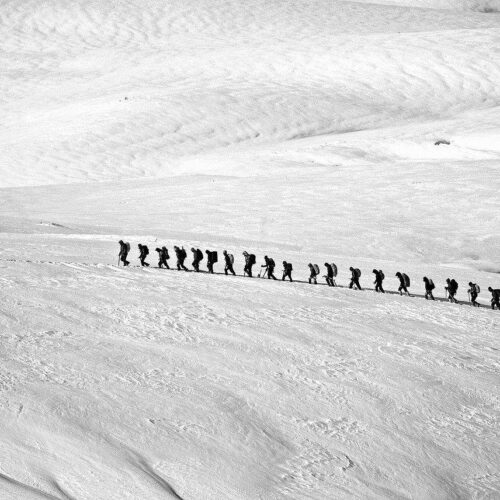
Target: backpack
column 316, row 268
column 251, row 259
column 478, row 290
column 406, row 280
column 127, row 246
column 454, row 285
column 357, row 273
column 183, row 253
column 271, row 263
column 145, row 249
column 231, row 258
column 289, row 267
column 214, row 257
column 199, row 254
column 431, row 284
column 334, row 269
column 382, row 275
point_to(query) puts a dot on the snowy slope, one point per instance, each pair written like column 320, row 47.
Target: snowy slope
column 301, row 130
column 103, row 90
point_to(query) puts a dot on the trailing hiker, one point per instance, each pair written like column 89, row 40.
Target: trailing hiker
column 123, row 253
column 143, row 253
column 181, row 255
column 287, row 271
column 379, row 278
column 229, row 262
column 212, row 258
column 249, row 262
column 474, row 291
column 429, row 286
column 404, row 283
column 495, row 297
column 197, row 258
column 355, row 275
column 269, row 267
column 451, row 289
column 163, row 257
column 314, row 271
column 331, row 273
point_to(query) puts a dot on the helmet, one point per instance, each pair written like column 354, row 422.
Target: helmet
column 375, row 271
column 225, row 252
column 351, row 269
column 121, row 241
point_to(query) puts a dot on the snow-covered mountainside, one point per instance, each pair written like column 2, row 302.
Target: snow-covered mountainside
column 364, row 133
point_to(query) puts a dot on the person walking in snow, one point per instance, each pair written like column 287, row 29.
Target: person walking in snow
column 249, row 262
column 495, row 297
column 451, row 288
column 312, row 273
column 123, row 253
column 269, row 267
column 429, row 286
column 143, row 253
column 355, row 275
column 181, row 255
column 330, row 275
column 403, row 283
column 197, row 258
column 228, row 263
column 287, row 271
column 210, row 261
column 163, row 257
column 473, row 293
column 379, row 278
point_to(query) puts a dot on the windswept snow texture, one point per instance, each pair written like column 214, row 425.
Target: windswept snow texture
column 304, row 130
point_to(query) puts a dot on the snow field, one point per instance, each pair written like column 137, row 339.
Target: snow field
column 301, row 130
column 127, row 89
column 145, row 380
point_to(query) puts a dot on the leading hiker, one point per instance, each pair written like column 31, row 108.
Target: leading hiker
column 123, row 253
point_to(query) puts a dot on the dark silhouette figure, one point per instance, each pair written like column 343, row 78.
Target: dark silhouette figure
column 228, row 263
column 269, row 265
column 163, row 257
column 287, row 271
column 379, row 278
column 122, row 255
column 495, row 297
column 355, row 275
column 181, row 255
column 429, row 286
column 403, row 283
column 143, row 253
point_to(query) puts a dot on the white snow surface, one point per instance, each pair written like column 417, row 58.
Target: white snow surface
column 304, row 130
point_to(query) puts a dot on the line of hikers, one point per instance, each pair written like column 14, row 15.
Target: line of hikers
column 269, row 266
